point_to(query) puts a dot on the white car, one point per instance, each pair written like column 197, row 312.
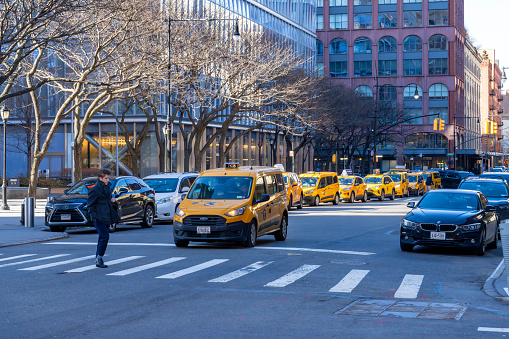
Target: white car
column 169, row 188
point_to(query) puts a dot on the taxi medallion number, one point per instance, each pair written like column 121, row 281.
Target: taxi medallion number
column 438, row 235
column 203, row 229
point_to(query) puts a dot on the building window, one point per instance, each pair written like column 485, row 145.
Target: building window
column 387, row 68
column 412, row 43
column 364, row 91
column 338, row 69
column 439, row 17
column 387, row 2
column 363, row 21
column 338, row 21
column 387, row 94
column 387, row 20
column 412, row 1
column 337, row 46
column 337, row 3
column 319, row 3
column 438, row 112
column 438, row 92
column 362, row 69
column 412, row 115
column 319, row 69
column 387, row 44
column 362, row 45
column 426, row 140
column 438, row 66
column 412, row 19
column 438, row 42
column 362, row 2
column 319, row 22
column 437, row 0
column 412, row 67
column 319, row 47
column 409, row 92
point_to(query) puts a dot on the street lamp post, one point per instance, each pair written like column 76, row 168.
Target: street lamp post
column 5, row 115
column 271, row 141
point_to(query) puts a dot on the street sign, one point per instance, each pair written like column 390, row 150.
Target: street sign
column 450, row 154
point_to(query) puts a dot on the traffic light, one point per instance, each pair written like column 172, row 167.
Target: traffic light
column 334, row 158
column 489, row 127
column 435, row 124
column 494, row 128
column 441, row 126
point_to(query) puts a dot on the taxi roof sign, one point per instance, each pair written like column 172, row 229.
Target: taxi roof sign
column 232, row 165
column 280, row 166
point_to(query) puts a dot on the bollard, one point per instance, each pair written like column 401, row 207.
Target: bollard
column 504, row 235
column 29, row 212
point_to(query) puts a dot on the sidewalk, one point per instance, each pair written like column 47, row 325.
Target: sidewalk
column 497, row 285
column 12, row 232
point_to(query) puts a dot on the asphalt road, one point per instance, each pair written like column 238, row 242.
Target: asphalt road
column 340, row 273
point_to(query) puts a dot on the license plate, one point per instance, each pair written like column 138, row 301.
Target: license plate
column 438, row 235
column 65, row 217
column 203, row 229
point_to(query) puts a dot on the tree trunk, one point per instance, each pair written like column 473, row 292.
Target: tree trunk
column 32, row 186
column 78, row 163
column 222, row 152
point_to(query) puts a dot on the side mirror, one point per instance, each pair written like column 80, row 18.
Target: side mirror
column 411, row 204
column 490, row 208
column 66, row 191
column 294, row 184
column 183, row 196
column 263, row 198
column 184, row 190
column 122, row 190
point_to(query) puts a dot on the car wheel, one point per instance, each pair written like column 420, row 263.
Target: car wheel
column 251, row 235
column 112, row 228
column 336, row 199
column 406, row 247
column 280, row 235
column 408, row 193
column 351, row 200
column 148, row 218
column 494, row 244
column 290, row 203
column 301, row 203
column 316, row 201
column 393, row 195
column 481, row 248
column 181, row 243
column 382, row 196
column 57, row 228
column 365, row 197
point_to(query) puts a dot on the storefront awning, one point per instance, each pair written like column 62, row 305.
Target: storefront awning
column 468, row 151
column 425, row 151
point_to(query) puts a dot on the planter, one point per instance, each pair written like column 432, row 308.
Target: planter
column 22, row 193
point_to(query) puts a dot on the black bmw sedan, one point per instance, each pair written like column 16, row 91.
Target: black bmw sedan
column 450, row 218
column 135, row 201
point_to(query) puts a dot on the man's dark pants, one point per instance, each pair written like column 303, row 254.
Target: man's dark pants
column 104, row 236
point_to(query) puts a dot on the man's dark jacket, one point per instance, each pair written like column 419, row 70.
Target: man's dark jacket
column 99, row 204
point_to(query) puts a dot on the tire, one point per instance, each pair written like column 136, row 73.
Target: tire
column 352, row 198
column 336, row 199
column 57, row 228
column 316, row 201
column 393, row 195
column 181, row 243
column 251, row 235
column 112, row 228
column 148, row 217
column 406, row 247
column 481, row 248
column 280, row 235
column 365, row 197
column 301, row 203
column 290, row 203
column 494, row 244
column 382, row 196
column 408, row 193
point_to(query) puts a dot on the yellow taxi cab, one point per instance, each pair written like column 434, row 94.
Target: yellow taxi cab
column 294, row 192
column 401, row 183
column 352, row 188
column 235, row 203
column 435, row 177
column 380, row 186
column 320, row 187
column 416, row 183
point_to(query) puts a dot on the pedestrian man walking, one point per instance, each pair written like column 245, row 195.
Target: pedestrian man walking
column 429, row 182
column 102, row 212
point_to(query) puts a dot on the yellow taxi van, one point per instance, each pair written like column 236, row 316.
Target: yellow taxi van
column 320, row 187
column 235, row 203
column 435, row 177
column 416, row 184
column 352, row 188
column 400, row 179
column 294, row 191
column 380, row 186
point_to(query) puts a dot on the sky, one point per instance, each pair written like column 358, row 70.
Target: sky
column 485, row 21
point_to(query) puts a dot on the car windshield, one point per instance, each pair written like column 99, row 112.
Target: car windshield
column 373, row 180
column 82, row 186
column 345, row 181
column 163, row 185
column 489, row 189
column 450, row 201
column 497, row 170
column 395, row 177
column 412, row 178
column 221, row 188
column 308, row 181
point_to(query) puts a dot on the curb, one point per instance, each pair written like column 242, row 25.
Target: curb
column 489, row 285
column 24, row 242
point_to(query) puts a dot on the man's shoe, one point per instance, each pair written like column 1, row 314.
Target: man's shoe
column 100, row 263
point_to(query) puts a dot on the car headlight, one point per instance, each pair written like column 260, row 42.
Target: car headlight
column 409, row 224
column 376, row 187
column 237, row 212
column 346, row 189
column 309, row 192
column 164, row 200
column 179, row 212
column 471, row 227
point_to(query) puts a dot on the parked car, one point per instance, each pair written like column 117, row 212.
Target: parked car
column 450, row 218
column 134, row 198
column 320, row 187
column 169, row 188
column 452, row 179
column 294, row 190
column 496, row 190
column 380, row 186
column 352, row 188
column 400, row 179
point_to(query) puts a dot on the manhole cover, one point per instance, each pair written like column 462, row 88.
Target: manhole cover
column 346, row 262
column 405, row 309
column 284, row 254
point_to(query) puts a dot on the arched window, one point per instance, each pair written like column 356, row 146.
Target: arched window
column 364, row 91
column 387, row 44
column 362, row 62
column 438, row 42
column 438, row 92
column 362, row 45
column 410, row 92
column 337, row 46
column 387, row 57
column 412, row 55
column 319, row 47
column 412, row 43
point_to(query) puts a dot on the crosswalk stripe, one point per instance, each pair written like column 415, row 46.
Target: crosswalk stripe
column 40, row 267
column 292, row 276
column 409, row 287
column 147, row 266
column 34, row 260
column 112, row 262
column 193, row 269
column 17, row 257
column 350, row 281
column 241, row 272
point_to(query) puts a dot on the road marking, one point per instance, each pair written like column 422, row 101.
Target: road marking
column 109, row 243
column 350, row 281
column 34, row 260
column 17, row 257
column 146, row 267
column 493, row 329
column 292, row 276
column 241, row 272
column 193, row 269
column 506, row 290
column 409, row 287
column 40, row 267
column 112, row 262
